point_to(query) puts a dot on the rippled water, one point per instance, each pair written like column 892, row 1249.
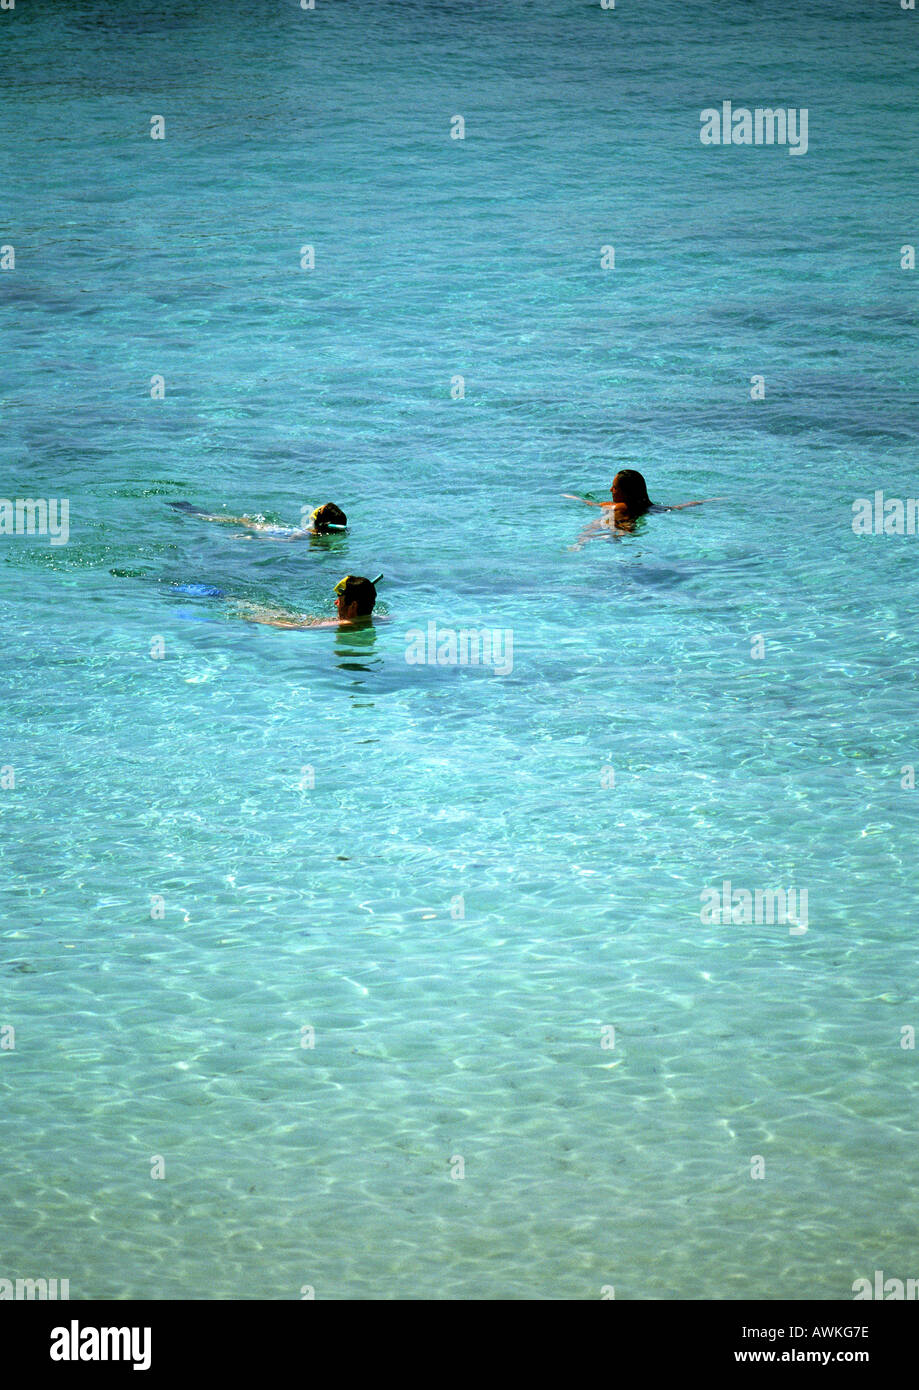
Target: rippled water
column 427, row 864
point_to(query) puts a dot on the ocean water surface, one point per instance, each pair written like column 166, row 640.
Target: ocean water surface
column 458, row 879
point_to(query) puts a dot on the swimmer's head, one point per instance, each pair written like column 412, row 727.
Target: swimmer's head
column 327, row 517
column 354, row 597
column 630, row 489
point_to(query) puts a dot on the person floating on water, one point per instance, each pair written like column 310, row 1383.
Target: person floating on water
column 630, row 501
column 355, row 597
column 326, row 520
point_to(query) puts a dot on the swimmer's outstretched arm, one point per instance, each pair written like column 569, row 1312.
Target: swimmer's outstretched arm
column 655, row 506
column 573, row 498
column 679, row 506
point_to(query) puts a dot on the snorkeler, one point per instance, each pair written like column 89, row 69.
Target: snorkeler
column 355, row 597
column 326, row 520
column 630, row 501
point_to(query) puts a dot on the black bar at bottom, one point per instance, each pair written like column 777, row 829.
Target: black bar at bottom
column 234, row 1340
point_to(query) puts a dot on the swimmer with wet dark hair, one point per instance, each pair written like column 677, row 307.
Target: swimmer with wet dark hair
column 630, row 501
column 355, row 598
column 326, row 520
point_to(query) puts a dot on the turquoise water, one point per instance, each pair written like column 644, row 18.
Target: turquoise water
column 459, row 903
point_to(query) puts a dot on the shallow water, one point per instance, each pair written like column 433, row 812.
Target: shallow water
column 426, row 863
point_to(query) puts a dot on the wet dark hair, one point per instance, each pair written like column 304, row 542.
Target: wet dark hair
column 632, row 490
column 354, row 588
column 328, row 515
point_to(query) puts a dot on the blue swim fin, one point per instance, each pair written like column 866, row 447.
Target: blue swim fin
column 198, row 590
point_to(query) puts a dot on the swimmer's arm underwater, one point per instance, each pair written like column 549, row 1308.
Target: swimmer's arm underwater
column 680, row 506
